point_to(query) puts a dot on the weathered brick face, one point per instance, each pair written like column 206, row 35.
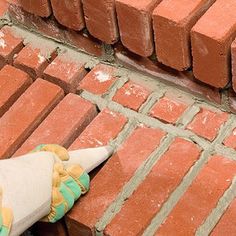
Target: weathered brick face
column 40, row 7
column 69, row 13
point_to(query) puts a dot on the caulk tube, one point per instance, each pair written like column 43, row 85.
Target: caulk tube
column 26, row 182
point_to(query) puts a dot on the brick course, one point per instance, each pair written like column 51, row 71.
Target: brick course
column 97, row 200
column 172, row 22
column 134, row 19
column 34, row 60
column 13, row 82
column 56, row 128
column 10, row 44
column 69, row 14
column 200, row 198
column 154, row 190
column 65, row 72
column 101, row 20
column 211, row 46
column 40, row 7
column 26, row 114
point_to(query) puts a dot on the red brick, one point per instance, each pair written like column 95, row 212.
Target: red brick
column 172, row 22
column 25, row 115
column 165, row 176
column 10, row 44
column 233, row 55
column 207, row 123
column 56, row 128
column 168, row 109
column 231, row 140
column 3, row 7
column 50, row 27
column 99, row 80
column 184, row 80
column 105, row 127
column 226, row 225
column 84, row 42
column 34, row 60
column 200, row 198
column 211, row 46
column 69, row 14
column 112, row 177
column 40, row 7
column 65, row 73
column 132, row 95
column 46, row 26
column 134, row 20
column 13, row 82
column 101, row 20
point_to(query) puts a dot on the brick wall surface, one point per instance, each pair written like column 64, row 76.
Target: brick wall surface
column 173, row 169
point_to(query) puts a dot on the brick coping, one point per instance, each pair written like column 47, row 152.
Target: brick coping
column 57, row 21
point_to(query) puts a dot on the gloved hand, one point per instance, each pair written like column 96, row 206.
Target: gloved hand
column 68, row 183
column 60, row 151
column 45, row 182
column 6, row 218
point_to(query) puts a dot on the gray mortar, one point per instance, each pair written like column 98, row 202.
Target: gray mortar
column 188, row 179
column 5, row 20
column 138, row 178
column 225, row 100
column 225, row 151
column 177, row 194
column 109, row 53
column 91, row 63
column 127, row 130
column 152, row 99
column 133, row 183
column 212, row 219
column 188, row 116
column 114, row 88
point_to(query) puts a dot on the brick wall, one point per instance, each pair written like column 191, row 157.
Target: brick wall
column 180, row 34
column 173, row 170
